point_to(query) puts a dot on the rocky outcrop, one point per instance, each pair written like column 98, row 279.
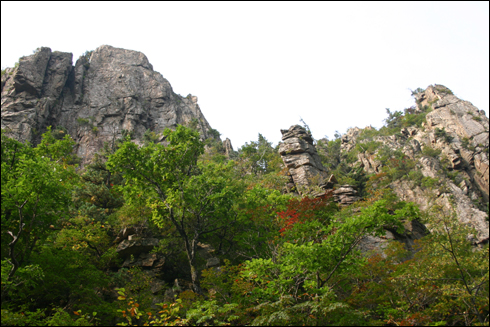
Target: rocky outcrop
column 110, row 92
column 460, row 131
column 413, row 230
column 136, row 245
column 300, row 157
column 207, row 252
column 346, row 195
column 228, row 147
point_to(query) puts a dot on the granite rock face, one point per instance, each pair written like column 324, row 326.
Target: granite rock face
column 460, row 131
column 109, row 92
column 302, row 160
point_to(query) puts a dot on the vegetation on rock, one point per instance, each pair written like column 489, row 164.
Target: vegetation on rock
column 172, row 229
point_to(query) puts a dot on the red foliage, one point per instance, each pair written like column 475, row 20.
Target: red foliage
column 306, row 209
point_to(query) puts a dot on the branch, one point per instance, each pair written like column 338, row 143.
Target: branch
column 356, row 241
column 453, row 254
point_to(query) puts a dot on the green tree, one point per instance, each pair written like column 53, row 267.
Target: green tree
column 198, row 199
column 260, row 157
column 300, row 277
column 36, row 186
column 394, row 119
column 98, row 195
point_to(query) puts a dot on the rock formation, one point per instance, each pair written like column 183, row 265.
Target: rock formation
column 109, row 92
column 228, row 147
column 460, row 131
column 300, row 157
column 346, row 195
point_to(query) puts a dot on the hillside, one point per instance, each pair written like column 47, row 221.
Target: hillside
column 121, row 205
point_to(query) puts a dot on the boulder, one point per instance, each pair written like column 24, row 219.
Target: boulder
column 148, row 260
column 212, row 262
column 136, row 246
column 124, row 233
column 346, row 195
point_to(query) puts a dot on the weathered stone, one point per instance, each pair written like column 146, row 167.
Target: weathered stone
column 29, row 76
column 414, row 230
column 108, row 91
column 56, row 75
column 212, row 262
column 346, row 195
column 300, row 157
column 228, row 147
column 463, row 124
column 153, row 260
column 369, row 163
column 136, row 246
column 124, row 233
column 156, row 286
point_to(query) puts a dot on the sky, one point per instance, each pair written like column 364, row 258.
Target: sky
column 259, row 67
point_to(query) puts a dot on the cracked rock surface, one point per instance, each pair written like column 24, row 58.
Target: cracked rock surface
column 108, row 92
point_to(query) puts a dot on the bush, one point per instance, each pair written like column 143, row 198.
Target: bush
column 416, row 176
column 83, row 121
column 442, row 134
column 431, row 152
column 444, row 90
column 418, row 90
column 429, row 182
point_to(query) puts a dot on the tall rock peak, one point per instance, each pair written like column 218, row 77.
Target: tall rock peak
column 107, row 93
column 301, row 158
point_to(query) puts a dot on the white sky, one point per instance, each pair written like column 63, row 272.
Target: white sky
column 258, row 67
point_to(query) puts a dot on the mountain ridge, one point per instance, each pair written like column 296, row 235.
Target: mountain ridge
column 107, row 93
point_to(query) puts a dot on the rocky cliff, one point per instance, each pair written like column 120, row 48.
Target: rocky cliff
column 109, row 92
column 450, row 149
column 444, row 138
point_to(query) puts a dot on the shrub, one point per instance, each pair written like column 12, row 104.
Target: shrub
column 442, row 134
column 431, row 152
column 416, row 176
column 444, row 90
column 418, row 90
column 429, row 182
column 83, row 121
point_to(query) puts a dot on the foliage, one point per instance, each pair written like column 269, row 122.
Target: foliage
column 98, row 195
column 431, row 152
column 417, row 91
column 150, row 137
column 329, row 152
column 259, row 157
column 197, row 198
column 287, row 260
column 444, row 90
column 442, row 134
column 35, row 193
column 59, row 317
column 307, row 263
column 444, row 283
column 397, row 165
column 394, row 119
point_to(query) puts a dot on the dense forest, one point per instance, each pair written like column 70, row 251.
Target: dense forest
column 284, row 259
